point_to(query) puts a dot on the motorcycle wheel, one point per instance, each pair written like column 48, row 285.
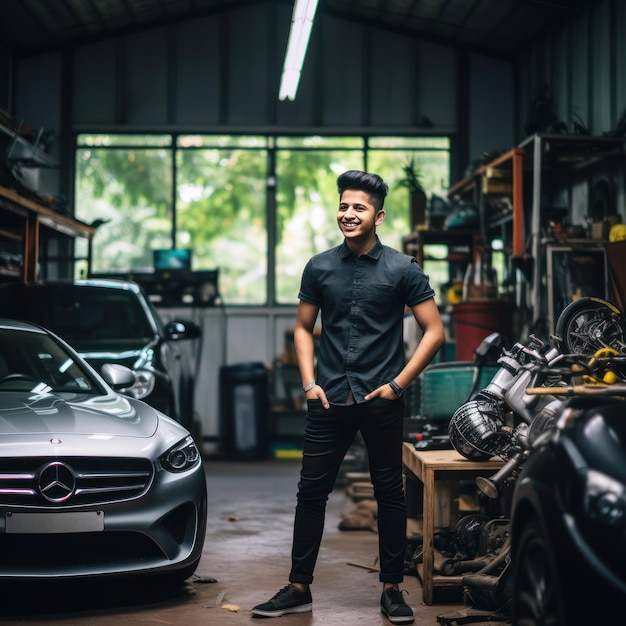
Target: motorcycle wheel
column 589, row 324
column 537, row 598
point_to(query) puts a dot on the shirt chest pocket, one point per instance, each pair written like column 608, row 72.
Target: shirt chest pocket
column 380, row 301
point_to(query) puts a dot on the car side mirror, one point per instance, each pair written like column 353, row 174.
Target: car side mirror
column 178, row 329
column 118, row 376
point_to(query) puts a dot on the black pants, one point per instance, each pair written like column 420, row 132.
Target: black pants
column 327, row 437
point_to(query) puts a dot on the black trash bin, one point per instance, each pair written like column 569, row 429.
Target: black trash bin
column 244, row 411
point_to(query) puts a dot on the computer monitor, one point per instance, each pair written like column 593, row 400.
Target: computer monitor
column 171, row 260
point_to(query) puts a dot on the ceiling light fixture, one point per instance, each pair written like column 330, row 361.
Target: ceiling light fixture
column 301, row 25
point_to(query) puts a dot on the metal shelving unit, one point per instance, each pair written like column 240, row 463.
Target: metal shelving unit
column 555, row 163
column 526, row 178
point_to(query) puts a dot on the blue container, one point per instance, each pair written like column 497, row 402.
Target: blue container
column 445, row 387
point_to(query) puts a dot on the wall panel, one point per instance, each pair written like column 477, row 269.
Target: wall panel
column 223, row 71
column 144, row 79
column 250, row 77
column 94, row 87
column 601, row 70
column 38, row 91
column 578, row 69
column 560, row 77
column 249, row 338
column 197, row 75
column 437, row 70
column 619, row 50
column 491, row 106
column 38, row 106
column 343, row 75
column 394, row 87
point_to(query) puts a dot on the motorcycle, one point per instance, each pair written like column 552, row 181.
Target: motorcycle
column 554, row 418
column 498, row 422
column 568, row 511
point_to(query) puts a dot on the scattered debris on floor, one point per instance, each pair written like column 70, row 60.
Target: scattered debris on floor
column 369, row 568
column 471, row 616
column 361, row 509
column 363, row 516
column 203, row 579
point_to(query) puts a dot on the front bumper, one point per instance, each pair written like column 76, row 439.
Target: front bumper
column 159, row 532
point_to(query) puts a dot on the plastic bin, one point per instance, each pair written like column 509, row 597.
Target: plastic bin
column 445, row 387
column 473, row 321
column 244, row 411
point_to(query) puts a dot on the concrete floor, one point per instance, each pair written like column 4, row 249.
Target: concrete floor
column 245, row 561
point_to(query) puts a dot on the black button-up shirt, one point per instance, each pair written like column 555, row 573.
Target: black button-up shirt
column 362, row 301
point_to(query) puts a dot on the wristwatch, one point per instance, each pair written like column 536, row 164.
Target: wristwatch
column 396, row 388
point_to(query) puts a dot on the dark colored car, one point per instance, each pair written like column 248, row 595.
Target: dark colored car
column 92, row 483
column 112, row 321
column 569, row 519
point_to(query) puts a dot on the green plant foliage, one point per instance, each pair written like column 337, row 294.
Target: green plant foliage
column 412, row 176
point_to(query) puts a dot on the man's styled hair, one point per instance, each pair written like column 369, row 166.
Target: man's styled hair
column 363, row 181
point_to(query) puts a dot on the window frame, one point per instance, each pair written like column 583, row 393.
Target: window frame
column 365, row 145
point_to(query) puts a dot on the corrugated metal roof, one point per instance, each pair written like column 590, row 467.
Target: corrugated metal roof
column 495, row 27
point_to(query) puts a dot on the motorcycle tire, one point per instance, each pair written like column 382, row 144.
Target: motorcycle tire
column 537, row 595
column 589, row 324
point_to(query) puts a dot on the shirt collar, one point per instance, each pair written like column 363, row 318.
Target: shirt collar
column 374, row 253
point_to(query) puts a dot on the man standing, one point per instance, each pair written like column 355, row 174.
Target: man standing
column 361, row 288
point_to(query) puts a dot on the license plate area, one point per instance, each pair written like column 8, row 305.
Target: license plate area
column 51, row 523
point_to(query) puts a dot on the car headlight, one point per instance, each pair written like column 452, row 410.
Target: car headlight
column 143, row 385
column 605, row 500
column 181, row 457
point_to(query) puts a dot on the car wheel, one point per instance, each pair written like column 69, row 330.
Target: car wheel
column 537, row 598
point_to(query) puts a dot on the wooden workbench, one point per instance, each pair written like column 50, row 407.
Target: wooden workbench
column 429, row 466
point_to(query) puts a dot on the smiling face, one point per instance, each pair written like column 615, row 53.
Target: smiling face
column 357, row 218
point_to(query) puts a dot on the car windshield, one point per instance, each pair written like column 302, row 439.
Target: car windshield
column 34, row 362
column 83, row 315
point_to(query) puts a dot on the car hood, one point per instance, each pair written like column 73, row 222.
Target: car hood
column 125, row 353
column 111, row 415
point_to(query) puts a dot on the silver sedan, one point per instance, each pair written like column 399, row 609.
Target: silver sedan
column 92, row 482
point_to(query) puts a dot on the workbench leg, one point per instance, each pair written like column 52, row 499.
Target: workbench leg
column 428, row 531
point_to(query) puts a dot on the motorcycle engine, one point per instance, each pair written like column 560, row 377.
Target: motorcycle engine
column 474, row 429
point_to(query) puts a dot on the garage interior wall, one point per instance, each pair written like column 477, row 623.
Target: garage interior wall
column 583, row 68
column 220, row 74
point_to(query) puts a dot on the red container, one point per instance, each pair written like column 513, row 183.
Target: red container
column 473, row 321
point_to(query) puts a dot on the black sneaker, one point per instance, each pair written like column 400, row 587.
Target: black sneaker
column 288, row 600
column 394, row 608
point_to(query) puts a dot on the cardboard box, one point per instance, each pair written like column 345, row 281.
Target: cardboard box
column 600, row 230
column 497, row 185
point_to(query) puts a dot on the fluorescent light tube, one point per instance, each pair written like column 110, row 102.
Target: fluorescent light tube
column 301, row 25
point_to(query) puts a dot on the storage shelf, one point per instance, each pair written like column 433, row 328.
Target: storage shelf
column 414, row 243
column 34, row 225
column 25, row 153
column 540, row 168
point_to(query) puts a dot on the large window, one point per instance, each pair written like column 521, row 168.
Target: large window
column 253, row 207
column 221, row 211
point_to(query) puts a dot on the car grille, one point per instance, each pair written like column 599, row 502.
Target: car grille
column 75, row 481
